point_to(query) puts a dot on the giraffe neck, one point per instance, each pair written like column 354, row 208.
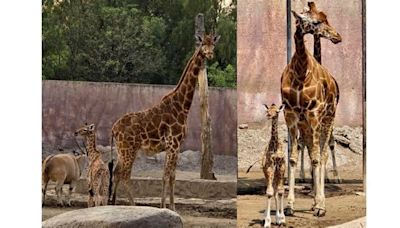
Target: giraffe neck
column 274, row 140
column 93, row 154
column 317, row 49
column 184, row 91
column 300, row 58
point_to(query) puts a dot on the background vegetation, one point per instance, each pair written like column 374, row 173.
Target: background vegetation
column 135, row 41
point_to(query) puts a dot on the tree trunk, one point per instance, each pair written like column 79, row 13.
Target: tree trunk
column 207, row 159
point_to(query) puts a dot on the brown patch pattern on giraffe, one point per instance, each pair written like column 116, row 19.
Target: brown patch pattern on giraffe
column 317, row 55
column 309, row 93
column 98, row 174
column 273, row 165
column 162, row 127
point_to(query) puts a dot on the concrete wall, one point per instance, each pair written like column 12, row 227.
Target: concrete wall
column 262, row 55
column 67, row 105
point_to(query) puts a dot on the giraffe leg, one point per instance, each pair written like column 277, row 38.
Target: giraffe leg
column 313, row 147
column 332, row 146
column 117, row 176
column 105, row 188
column 174, row 158
column 326, row 129
column 289, row 210
column 280, row 190
column 267, row 219
column 126, row 177
column 302, row 173
column 169, row 173
column 122, row 172
column 91, row 202
column 282, row 218
column 277, row 211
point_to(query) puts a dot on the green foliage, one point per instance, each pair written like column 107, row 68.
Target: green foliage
column 139, row 41
column 222, row 78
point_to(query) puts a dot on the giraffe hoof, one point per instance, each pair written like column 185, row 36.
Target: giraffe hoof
column 288, row 211
column 318, row 212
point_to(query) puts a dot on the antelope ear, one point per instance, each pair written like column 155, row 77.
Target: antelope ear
column 91, row 127
column 266, row 106
column 216, row 39
column 281, row 108
column 199, row 38
column 75, row 153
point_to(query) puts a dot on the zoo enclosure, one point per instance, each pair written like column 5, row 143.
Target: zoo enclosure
column 262, row 55
column 68, row 104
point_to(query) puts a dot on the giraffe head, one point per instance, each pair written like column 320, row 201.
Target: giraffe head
column 316, row 23
column 207, row 42
column 273, row 111
column 85, row 130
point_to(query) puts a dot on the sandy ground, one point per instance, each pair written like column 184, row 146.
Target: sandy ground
column 195, row 212
column 343, row 201
column 340, row 209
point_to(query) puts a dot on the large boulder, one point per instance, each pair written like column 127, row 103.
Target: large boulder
column 116, row 216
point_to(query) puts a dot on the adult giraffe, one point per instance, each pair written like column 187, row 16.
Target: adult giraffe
column 312, row 9
column 162, row 127
column 309, row 93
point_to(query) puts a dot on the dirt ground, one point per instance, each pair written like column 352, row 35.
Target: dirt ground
column 195, row 212
column 344, row 202
column 340, row 209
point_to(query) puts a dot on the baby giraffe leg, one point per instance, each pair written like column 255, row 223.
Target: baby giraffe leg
column 277, row 208
column 267, row 219
column 269, row 192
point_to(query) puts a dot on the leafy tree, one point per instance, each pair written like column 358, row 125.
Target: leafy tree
column 140, row 41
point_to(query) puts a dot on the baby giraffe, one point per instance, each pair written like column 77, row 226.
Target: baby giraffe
column 98, row 174
column 273, row 165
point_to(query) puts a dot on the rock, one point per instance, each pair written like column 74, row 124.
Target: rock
column 116, row 216
column 356, row 147
column 342, row 140
column 243, row 126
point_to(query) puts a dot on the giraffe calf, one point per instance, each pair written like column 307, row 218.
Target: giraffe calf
column 98, row 173
column 273, row 165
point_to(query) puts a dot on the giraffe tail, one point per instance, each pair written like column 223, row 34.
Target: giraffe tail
column 248, row 170
column 110, row 167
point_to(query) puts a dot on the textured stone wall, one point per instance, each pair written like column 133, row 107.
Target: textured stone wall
column 67, row 105
column 262, row 55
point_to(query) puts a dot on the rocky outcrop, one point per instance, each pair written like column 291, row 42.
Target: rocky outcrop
column 116, row 216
